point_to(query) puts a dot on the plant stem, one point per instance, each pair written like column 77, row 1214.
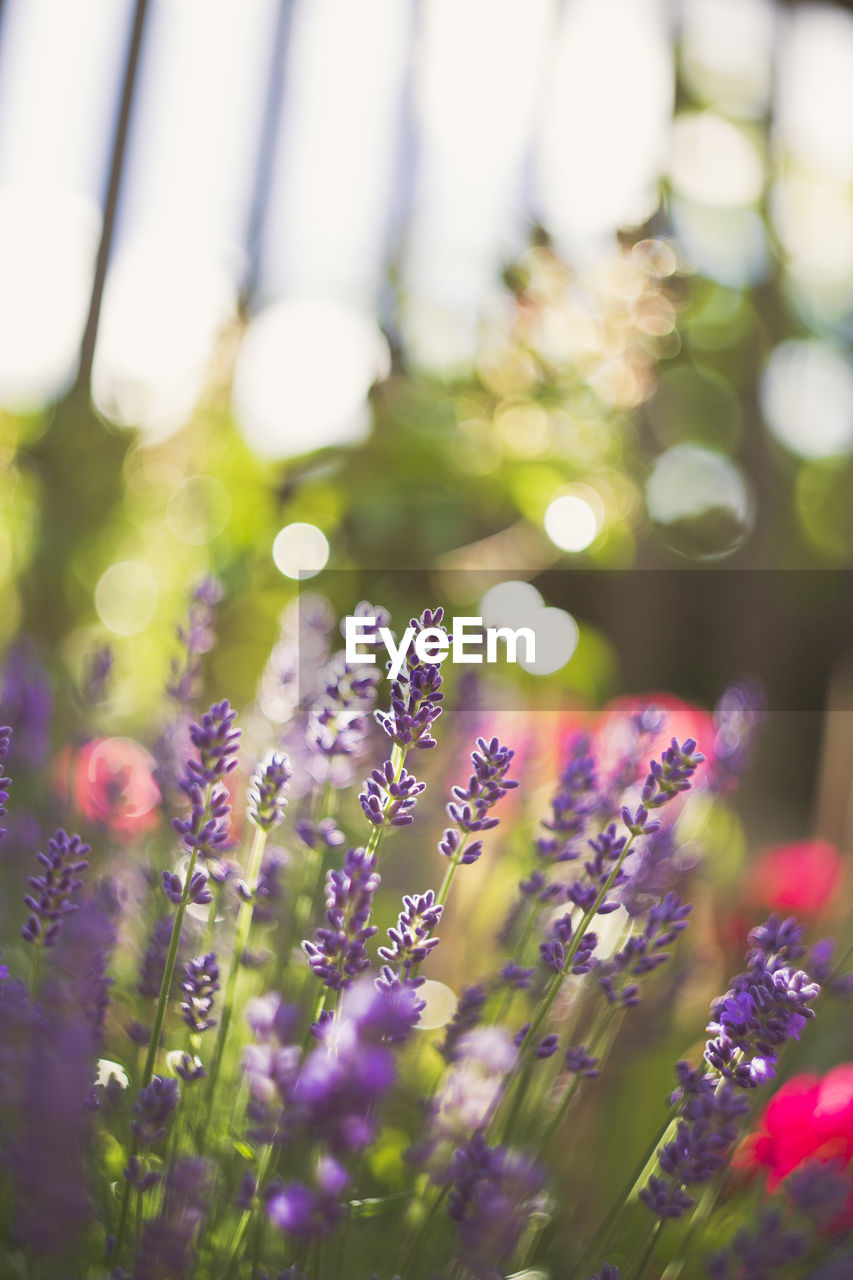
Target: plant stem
column 241, row 939
column 157, row 1027
column 647, row 1255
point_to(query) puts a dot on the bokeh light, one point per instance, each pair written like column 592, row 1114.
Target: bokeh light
column 699, row 500
column 126, row 597
column 807, row 399
column 557, row 636
column 510, row 603
column 302, row 377
column 300, row 550
column 572, row 521
column 164, row 305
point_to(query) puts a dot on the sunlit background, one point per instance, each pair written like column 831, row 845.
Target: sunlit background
column 482, row 285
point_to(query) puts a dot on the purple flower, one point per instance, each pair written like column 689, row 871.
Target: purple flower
column 200, row 984
column 96, row 675
column 469, row 809
column 493, row 1192
column 579, row 1062
column 643, row 952
column 339, row 717
column 338, row 952
column 306, row 1212
column 323, row 834
column 139, row 1176
column 47, row 1149
column 672, row 774
column 416, row 697
column 572, row 805
column 737, row 716
column 153, row 1110
column 759, row 1253
column 196, row 638
column 267, row 792
column 342, row 1081
column 607, row 1272
column 167, row 1247
column 49, row 899
column 198, row 892
column 5, row 783
column 27, row 701
column 411, row 940
column 154, row 958
column 388, row 799
column 469, row 1010
column 764, row 1008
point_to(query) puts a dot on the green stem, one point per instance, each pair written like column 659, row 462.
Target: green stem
column 601, row 1240
column 247, row 1215
column 157, row 1027
column 419, row 1236
column 398, row 759
column 647, row 1256
column 241, row 940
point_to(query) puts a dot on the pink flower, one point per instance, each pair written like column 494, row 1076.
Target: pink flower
column 112, row 783
column 796, row 877
column 809, row 1121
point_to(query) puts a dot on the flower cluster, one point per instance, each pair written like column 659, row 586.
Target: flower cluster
column 389, row 798
column 766, row 1006
column 51, row 891
column 382, row 1101
column 416, row 697
column 338, row 952
column 469, row 810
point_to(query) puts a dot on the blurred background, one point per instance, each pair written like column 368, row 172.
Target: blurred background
column 414, row 297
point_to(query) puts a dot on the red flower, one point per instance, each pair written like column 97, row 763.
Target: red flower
column 112, row 783
column 796, row 877
column 810, row 1119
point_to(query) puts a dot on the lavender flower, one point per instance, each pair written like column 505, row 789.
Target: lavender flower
column 411, row 940
column 197, row 892
column 470, row 807
column 206, row 832
column 96, row 675
column 47, row 1148
column 469, row 1010
column 338, row 952
column 339, row 718
column 167, row 1247
column 154, row 958
column 607, row 1272
column 416, row 697
column 27, row 701
column 5, row 783
column 765, row 1007
column 200, row 984
column 571, row 806
column 579, row 1062
column 343, row 1080
column 153, row 1111
column 643, row 952
column 196, row 639
column 761, row 1253
column 387, row 799
column 267, row 792
column 306, row 1212
column 49, row 899
column 737, row 716
column 493, row 1192
column 216, row 741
